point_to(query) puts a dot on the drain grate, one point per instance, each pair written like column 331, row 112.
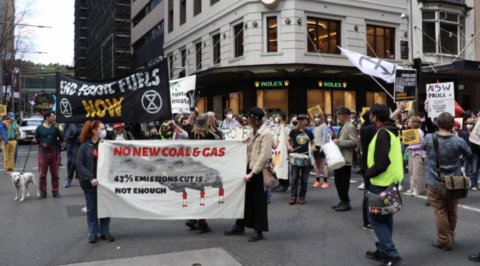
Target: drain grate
column 75, row 211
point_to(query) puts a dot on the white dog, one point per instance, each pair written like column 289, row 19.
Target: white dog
column 21, row 181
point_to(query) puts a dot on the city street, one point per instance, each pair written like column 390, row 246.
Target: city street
column 53, row 232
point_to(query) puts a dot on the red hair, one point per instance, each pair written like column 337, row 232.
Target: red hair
column 87, row 130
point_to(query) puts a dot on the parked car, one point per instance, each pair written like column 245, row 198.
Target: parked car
column 28, row 127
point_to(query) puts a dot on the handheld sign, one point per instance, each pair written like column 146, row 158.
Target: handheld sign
column 405, row 85
column 410, row 136
column 441, row 98
column 475, row 135
column 315, row 109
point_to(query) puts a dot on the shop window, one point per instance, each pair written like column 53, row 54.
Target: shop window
column 216, row 49
column 238, row 31
column 198, row 55
column 201, row 104
column 236, row 102
column 323, row 35
column 197, row 7
column 320, row 97
column 441, row 32
column 376, row 97
column 273, row 99
column 183, row 11
column 272, row 42
column 344, row 98
column 381, row 42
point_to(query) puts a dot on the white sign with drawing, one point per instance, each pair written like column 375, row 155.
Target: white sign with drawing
column 441, row 97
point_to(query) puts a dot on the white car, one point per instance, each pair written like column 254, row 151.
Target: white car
column 28, row 127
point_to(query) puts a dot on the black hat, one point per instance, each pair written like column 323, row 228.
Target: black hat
column 302, row 117
column 343, row 111
column 256, row 112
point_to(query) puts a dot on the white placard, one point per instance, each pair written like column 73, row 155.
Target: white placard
column 441, row 98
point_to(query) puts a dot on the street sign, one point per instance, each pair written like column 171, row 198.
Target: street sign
column 405, row 85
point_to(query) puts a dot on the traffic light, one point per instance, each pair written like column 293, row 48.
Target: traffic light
column 417, row 64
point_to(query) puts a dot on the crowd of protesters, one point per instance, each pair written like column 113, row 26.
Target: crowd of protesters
column 357, row 140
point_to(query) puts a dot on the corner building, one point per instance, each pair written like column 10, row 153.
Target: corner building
column 283, row 56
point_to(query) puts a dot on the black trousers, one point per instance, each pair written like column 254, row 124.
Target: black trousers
column 342, row 182
column 256, row 209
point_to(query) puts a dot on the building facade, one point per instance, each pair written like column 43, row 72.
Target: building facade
column 102, row 38
column 147, row 26
column 285, row 56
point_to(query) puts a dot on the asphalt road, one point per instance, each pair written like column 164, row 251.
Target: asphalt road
column 53, row 231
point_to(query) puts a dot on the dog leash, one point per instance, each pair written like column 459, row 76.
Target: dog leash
column 28, row 155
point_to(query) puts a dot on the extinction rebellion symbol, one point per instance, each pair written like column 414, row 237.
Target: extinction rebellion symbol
column 152, row 102
column 65, row 107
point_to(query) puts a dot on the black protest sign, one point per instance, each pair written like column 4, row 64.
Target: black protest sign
column 141, row 97
column 405, row 85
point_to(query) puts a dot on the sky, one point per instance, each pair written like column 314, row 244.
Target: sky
column 58, row 41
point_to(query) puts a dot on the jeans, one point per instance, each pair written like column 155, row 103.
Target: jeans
column 383, row 226
column 342, row 182
column 94, row 226
column 72, row 151
column 300, row 173
column 471, row 169
column 269, row 194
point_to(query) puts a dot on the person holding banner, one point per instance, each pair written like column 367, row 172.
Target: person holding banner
column 258, row 153
column 471, row 164
column 92, row 133
column 320, row 133
column 281, row 120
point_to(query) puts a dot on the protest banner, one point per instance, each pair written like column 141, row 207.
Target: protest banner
column 182, row 94
column 280, row 155
column 167, row 180
column 441, row 98
column 405, row 85
column 3, row 110
column 236, row 133
column 141, row 97
column 316, row 109
column 410, row 136
column 475, row 135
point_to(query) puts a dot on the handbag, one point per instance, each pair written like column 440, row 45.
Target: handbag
column 269, row 177
column 387, row 202
column 450, row 187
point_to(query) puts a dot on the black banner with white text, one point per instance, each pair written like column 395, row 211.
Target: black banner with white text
column 141, row 97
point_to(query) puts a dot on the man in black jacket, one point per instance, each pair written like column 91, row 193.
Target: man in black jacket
column 72, row 134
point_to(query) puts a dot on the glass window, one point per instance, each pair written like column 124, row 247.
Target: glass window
column 198, row 55
column 272, row 42
column 238, row 31
column 441, row 32
column 236, row 102
column 216, row 49
column 319, row 97
column 429, row 42
column 183, row 11
column 381, row 42
column 323, row 35
column 376, row 97
column 197, row 7
column 449, row 38
column 213, row 2
column 170, row 15
column 273, row 99
column 201, row 104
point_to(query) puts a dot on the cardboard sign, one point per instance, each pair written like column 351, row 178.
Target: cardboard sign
column 441, row 98
column 405, row 85
column 316, row 109
column 3, row 110
column 410, row 136
column 364, row 110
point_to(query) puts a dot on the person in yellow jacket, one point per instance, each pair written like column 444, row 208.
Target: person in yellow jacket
column 385, row 167
column 12, row 129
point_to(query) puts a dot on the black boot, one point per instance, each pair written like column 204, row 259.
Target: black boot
column 235, row 231
column 203, row 227
column 336, row 206
column 256, row 236
column 191, row 224
column 344, row 206
column 475, row 257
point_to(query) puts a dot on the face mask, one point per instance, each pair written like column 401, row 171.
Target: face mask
column 295, row 123
column 317, row 121
column 329, row 120
column 229, row 116
column 103, row 134
column 469, row 126
column 276, row 120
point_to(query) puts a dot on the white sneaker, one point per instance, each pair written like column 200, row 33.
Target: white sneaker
column 409, row 192
column 362, row 186
column 474, row 188
column 414, row 194
column 400, row 188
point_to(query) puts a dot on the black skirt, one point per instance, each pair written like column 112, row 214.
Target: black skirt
column 256, row 207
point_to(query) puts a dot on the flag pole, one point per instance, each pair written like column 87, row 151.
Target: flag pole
column 382, row 87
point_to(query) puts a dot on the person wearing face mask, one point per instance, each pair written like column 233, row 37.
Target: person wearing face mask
column 92, row 134
column 320, row 132
column 471, row 163
column 229, row 121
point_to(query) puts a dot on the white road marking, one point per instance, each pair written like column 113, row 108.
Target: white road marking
column 459, row 205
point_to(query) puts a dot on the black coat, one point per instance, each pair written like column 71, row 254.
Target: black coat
column 86, row 165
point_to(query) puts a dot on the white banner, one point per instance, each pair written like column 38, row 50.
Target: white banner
column 280, row 155
column 475, row 135
column 188, row 179
column 372, row 66
column 236, row 133
column 441, row 98
column 182, row 93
